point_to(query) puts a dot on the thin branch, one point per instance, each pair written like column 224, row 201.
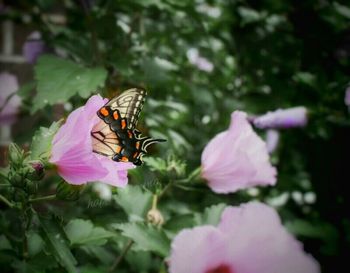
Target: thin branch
column 7, row 202
column 8, row 98
column 121, row 256
column 43, row 198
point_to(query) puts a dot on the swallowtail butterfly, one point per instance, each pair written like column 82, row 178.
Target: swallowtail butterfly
column 116, row 135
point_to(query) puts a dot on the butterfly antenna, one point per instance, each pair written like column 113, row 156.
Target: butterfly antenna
column 149, row 141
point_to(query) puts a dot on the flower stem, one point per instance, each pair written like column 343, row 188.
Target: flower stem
column 154, row 201
column 7, row 202
column 121, row 256
column 165, row 189
column 43, row 198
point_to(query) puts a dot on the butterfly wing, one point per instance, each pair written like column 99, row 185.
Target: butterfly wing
column 115, row 135
column 129, row 105
column 104, row 141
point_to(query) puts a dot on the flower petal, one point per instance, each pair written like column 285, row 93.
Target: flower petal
column 72, row 150
column 237, row 158
column 258, row 235
column 198, row 250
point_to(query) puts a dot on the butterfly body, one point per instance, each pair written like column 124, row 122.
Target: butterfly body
column 116, row 135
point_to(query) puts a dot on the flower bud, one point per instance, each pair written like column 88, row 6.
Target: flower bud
column 65, row 191
column 176, row 168
column 15, row 154
column 36, row 171
column 155, row 217
column 16, row 179
column 19, row 195
column 283, row 118
column 31, row 186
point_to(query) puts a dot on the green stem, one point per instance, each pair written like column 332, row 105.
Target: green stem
column 165, row 189
column 7, row 202
column 154, row 201
column 121, row 256
column 43, row 198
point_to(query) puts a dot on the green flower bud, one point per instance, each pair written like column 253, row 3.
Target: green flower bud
column 19, row 195
column 16, row 179
column 65, row 191
column 31, row 186
column 16, row 155
column 36, row 171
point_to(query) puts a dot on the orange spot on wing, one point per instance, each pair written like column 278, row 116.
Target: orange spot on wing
column 129, row 134
column 124, row 159
column 135, row 155
column 118, row 149
column 137, row 145
column 104, row 111
column 123, row 124
column 115, row 115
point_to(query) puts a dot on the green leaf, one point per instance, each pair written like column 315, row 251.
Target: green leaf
column 307, row 229
column 342, row 10
column 211, row 215
column 106, row 257
column 68, row 192
column 3, row 174
column 146, row 237
column 156, row 164
column 134, row 201
column 41, row 143
column 59, row 80
column 249, row 15
column 82, row 232
column 25, row 90
column 305, row 78
column 179, row 222
column 4, row 243
column 57, row 243
column 319, row 230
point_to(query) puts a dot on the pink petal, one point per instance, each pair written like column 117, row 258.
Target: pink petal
column 8, row 86
column 237, row 158
column 272, row 139
column 117, row 171
column 256, row 234
column 72, row 150
column 283, row 118
column 198, row 250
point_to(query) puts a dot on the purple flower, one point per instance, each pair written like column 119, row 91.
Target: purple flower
column 347, row 96
column 283, row 118
column 33, row 47
column 200, row 62
column 72, row 150
column 9, row 101
column 272, row 139
column 249, row 239
column 237, row 158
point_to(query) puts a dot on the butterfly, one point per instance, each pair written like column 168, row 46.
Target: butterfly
column 116, row 136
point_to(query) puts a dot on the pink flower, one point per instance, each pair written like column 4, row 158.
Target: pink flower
column 72, row 150
column 249, row 239
column 33, row 47
column 237, row 158
column 200, row 62
column 9, row 101
column 283, row 118
column 272, row 139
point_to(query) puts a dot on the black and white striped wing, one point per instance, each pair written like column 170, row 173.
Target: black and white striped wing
column 129, row 105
